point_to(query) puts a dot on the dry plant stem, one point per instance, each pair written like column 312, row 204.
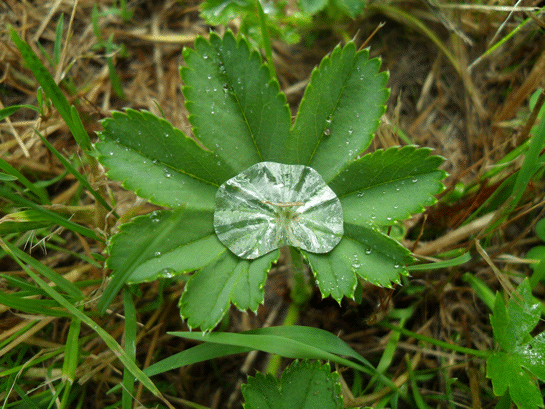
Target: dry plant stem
column 43, row 322
column 454, row 237
column 507, row 286
column 519, row 95
column 405, row 18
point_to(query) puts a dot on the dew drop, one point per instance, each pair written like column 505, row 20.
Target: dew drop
column 167, row 272
column 327, row 132
column 368, row 251
column 167, row 173
column 360, row 194
column 414, row 180
column 157, row 253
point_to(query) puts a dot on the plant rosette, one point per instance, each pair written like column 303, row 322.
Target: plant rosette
column 249, row 181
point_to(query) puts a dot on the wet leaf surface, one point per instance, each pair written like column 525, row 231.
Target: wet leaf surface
column 271, row 205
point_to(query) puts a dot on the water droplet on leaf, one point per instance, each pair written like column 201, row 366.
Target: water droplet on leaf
column 271, row 205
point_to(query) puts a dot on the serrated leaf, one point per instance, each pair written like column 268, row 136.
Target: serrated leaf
column 388, row 185
column 522, row 355
column 512, row 325
column 165, row 243
column 339, row 112
column 363, row 251
column 225, row 279
column 161, row 243
column 303, row 385
column 236, row 108
column 158, row 162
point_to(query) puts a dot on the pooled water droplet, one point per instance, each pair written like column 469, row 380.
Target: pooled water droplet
column 356, row 262
column 167, row 173
column 157, row 253
column 360, row 194
column 350, row 130
column 414, row 180
column 154, row 217
column 327, row 132
column 205, row 56
column 167, row 272
column 396, row 266
column 368, row 251
column 271, row 205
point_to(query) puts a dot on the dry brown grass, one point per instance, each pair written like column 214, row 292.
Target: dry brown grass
column 472, row 116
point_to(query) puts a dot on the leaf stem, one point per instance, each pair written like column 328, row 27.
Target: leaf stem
column 300, row 294
column 442, row 344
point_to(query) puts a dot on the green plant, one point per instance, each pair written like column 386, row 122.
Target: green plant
column 241, row 119
column 302, row 385
column 280, row 18
column 521, row 360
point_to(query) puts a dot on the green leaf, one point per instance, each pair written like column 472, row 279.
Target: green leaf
column 226, row 279
column 339, row 112
column 364, row 251
column 217, row 12
column 536, row 253
column 304, row 385
column 236, row 108
column 164, row 243
column 388, row 185
column 350, row 7
column 5, row 112
column 522, row 356
column 312, row 6
column 540, row 229
column 160, row 244
column 198, row 353
column 272, row 338
column 40, row 192
column 158, row 161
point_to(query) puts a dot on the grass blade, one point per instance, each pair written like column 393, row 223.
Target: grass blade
column 130, row 348
column 82, row 179
column 54, row 217
column 107, row 338
column 21, row 257
column 52, row 90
